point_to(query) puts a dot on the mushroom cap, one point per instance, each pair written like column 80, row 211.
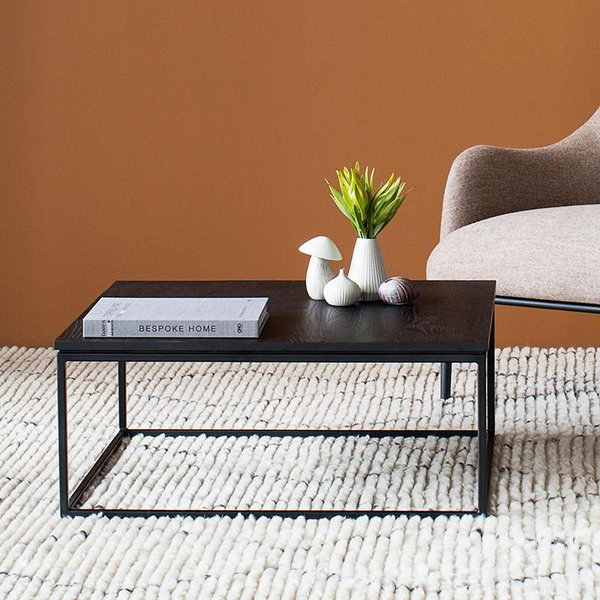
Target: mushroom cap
column 321, row 247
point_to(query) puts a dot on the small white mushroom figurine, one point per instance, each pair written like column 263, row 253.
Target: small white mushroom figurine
column 321, row 250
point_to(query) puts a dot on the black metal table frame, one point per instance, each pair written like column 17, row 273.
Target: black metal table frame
column 485, row 426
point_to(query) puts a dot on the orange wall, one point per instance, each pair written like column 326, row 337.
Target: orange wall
column 190, row 140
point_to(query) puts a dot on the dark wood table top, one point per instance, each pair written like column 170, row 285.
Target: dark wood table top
column 448, row 317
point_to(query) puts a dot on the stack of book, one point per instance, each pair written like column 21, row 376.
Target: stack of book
column 176, row 317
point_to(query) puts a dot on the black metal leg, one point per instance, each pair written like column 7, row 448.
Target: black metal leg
column 122, row 396
column 67, row 505
column 482, row 436
column 446, row 379
column 491, row 393
column 63, row 468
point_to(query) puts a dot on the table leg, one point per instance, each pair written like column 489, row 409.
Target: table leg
column 68, row 505
column 482, row 436
column 63, row 468
column 122, row 396
column 491, row 394
column 446, row 379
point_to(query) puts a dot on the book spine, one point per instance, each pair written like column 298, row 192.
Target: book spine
column 170, row 329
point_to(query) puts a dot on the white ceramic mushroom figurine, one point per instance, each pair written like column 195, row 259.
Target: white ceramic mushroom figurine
column 321, row 250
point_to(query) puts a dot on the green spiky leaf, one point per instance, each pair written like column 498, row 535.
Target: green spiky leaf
column 367, row 210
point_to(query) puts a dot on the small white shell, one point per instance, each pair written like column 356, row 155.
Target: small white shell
column 399, row 290
column 341, row 291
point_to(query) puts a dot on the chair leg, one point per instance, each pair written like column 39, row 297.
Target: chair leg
column 446, row 379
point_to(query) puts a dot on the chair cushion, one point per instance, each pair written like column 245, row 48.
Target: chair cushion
column 545, row 254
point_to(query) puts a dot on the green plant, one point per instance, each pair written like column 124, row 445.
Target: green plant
column 368, row 211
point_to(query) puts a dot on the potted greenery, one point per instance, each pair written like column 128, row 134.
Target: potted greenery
column 369, row 211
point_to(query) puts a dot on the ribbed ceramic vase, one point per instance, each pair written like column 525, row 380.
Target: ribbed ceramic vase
column 367, row 268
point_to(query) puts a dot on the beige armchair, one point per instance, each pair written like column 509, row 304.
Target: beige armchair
column 528, row 218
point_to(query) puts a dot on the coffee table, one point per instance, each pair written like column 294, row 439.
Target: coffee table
column 451, row 322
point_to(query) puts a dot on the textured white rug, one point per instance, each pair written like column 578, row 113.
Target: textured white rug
column 542, row 540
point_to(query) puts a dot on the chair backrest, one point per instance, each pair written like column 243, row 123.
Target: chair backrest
column 487, row 181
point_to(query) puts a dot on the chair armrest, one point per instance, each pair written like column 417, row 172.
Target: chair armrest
column 487, row 181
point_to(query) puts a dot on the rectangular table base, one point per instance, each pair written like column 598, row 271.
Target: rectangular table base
column 70, row 503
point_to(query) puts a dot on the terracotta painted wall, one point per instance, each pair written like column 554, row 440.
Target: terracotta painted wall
column 190, row 140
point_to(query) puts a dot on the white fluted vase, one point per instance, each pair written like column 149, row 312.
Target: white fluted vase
column 367, row 268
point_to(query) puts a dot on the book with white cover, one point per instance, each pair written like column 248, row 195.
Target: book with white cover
column 176, row 317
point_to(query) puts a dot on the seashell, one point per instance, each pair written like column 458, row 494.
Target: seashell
column 342, row 291
column 399, row 290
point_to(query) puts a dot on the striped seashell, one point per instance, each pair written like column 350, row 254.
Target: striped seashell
column 399, row 290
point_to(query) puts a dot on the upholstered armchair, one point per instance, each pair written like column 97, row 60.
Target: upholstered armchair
column 528, row 218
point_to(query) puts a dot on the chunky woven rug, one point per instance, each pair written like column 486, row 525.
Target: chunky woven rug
column 541, row 541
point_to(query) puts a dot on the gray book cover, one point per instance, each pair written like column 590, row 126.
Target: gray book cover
column 176, row 317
